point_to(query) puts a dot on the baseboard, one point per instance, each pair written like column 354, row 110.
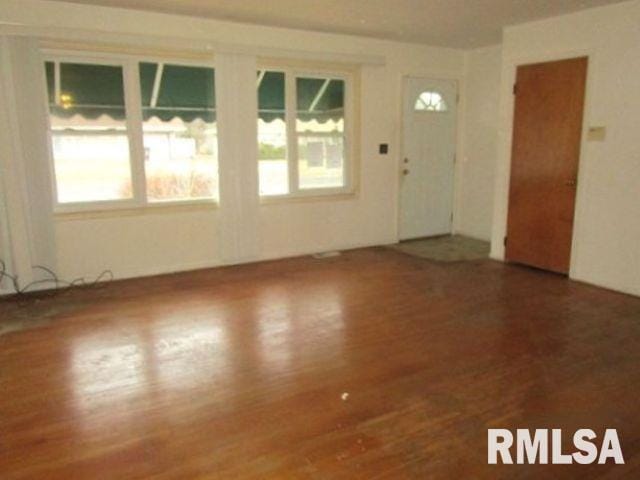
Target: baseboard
column 186, row 267
column 495, row 256
column 164, row 270
column 607, row 286
column 471, row 235
column 191, row 266
column 322, row 248
column 593, row 283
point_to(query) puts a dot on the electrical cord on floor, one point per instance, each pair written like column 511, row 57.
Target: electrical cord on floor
column 59, row 284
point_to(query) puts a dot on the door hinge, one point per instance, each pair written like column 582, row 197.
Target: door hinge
column 505, row 241
column 451, row 217
column 515, row 88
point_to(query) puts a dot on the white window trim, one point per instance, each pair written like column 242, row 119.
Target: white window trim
column 348, row 135
column 133, row 112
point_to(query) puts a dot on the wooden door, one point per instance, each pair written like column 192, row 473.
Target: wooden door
column 547, row 130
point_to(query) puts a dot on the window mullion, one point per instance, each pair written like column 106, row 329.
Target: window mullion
column 292, row 135
column 133, row 105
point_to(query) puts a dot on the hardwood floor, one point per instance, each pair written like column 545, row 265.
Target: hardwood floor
column 373, row 365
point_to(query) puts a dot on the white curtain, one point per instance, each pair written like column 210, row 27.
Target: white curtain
column 27, row 193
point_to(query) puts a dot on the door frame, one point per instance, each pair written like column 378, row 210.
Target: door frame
column 505, row 144
column 458, row 139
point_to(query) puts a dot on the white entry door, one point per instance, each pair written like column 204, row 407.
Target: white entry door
column 426, row 193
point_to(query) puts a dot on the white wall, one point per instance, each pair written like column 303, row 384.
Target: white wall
column 482, row 97
column 606, row 248
column 4, row 234
column 139, row 244
column 154, row 242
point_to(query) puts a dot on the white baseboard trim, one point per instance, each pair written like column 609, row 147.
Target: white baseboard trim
column 134, row 273
column 624, row 289
column 164, row 270
column 310, row 251
column 191, row 266
column 186, row 267
column 472, row 236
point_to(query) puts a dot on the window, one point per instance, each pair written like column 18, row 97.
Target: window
column 302, row 133
column 430, row 102
column 113, row 142
column 89, row 132
column 320, row 132
column 179, row 132
column 272, row 134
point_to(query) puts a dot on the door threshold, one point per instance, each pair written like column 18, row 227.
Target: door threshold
column 428, row 237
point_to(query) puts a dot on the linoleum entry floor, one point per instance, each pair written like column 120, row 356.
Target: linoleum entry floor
column 445, row 248
column 370, row 365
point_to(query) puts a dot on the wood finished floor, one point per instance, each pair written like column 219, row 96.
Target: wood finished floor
column 373, row 365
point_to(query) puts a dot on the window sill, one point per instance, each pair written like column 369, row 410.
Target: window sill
column 307, row 198
column 135, row 210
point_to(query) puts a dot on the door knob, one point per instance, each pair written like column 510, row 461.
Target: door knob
column 405, row 171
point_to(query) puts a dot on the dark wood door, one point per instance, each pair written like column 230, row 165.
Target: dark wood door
column 547, row 129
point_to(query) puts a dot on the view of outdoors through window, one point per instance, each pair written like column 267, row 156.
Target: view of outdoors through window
column 319, row 133
column 91, row 142
column 272, row 134
column 180, row 132
column 430, row 102
column 89, row 132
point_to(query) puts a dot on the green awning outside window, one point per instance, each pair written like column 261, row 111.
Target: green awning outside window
column 182, row 91
column 87, row 90
column 271, row 95
column 319, row 99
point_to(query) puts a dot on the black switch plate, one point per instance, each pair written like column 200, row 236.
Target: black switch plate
column 384, row 148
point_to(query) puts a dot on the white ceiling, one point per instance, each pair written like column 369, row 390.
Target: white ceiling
column 449, row 23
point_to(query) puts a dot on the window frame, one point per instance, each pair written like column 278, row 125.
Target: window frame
column 130, row 65
column 292, row 73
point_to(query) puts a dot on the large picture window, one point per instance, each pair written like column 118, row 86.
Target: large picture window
column 132, row 133
column 302, row 133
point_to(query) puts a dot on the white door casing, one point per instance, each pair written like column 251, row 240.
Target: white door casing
column 428, row 163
